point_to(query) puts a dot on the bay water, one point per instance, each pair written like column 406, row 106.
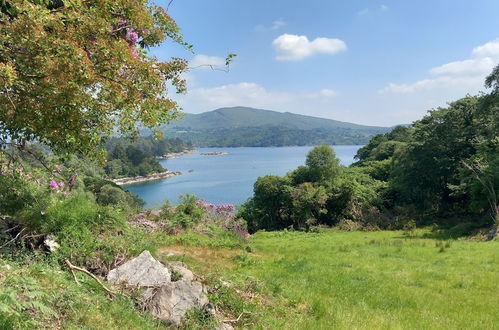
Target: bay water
column 226, row 178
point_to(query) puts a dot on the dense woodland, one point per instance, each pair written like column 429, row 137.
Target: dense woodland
column 126, row 158
column 442, row 170
column 270, row 137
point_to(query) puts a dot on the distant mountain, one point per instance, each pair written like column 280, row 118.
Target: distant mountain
column 242, row 126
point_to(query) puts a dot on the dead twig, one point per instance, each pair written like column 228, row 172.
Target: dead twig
column 13, row 240
column 83, row 270
column 238, row 318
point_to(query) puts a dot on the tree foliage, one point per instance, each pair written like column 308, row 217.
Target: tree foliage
column 74, row 72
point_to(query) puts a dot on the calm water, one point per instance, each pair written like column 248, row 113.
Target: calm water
column 226, row 178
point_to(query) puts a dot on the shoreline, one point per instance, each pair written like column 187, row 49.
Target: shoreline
column 177, row 154
column 140, row 179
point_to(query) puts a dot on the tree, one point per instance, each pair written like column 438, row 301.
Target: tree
column 492, row 80
column 74, row 72
column 323, row 164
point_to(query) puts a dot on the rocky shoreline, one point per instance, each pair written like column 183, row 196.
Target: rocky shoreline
column 150, row 177
column 214, row 153
column 177, row 154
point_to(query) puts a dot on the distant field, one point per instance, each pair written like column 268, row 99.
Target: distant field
column 366, row 280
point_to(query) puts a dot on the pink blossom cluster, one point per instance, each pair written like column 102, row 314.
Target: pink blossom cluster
column 239, row 230
column 58, row 186
column 58, row 170
column 222, row 209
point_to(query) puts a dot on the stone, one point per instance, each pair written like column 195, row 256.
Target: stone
column 179, row 267
column 172, row 300
column 51, row 243
column 492, row 234
column 163, row 298
column 142, row 270
column 225, row 326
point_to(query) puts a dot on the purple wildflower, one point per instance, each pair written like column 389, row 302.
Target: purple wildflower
column 132, row 35
column 53, row 184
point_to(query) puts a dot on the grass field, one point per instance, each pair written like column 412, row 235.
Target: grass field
column 360, row 280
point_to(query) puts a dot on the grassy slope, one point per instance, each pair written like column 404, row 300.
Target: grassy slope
column 293, row 280
column 367, row 280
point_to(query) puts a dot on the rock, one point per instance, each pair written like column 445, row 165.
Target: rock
column 172, row 300
column 179, row 267
column 51, row 243
column 492, row 234
column 163, row 298
column 143, row 270
column 225, row 326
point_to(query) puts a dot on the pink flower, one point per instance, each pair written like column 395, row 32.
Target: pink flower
column 132, row 35
column 61, row 184
column 58, row 168
column 53, row 184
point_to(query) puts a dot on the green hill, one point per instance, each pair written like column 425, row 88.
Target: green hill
column 243, row 126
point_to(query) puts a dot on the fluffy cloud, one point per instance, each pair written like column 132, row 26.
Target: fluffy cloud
column 205, row 61
column 468, row 74
column 291, row 47
column 276, row 25
column 252, row 95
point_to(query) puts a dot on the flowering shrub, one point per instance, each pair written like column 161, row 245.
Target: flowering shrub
column 192, row 213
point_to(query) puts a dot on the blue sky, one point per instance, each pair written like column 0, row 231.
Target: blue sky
column 367, row 62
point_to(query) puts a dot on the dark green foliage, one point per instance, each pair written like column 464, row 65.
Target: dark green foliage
column 322, row 192
column 138, row 158
column 109, row 193
column 322, row 164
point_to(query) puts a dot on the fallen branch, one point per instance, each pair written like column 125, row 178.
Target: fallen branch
column 83, row 270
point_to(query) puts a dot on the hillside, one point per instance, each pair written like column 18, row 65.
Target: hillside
column 243, row 126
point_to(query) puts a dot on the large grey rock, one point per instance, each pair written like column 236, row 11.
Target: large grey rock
column 143, row 270
column 163, row 298
column 172, row 300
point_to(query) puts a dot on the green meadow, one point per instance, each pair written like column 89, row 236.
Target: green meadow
column 359, row 280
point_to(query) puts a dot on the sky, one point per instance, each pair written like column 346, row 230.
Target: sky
column 367, row 62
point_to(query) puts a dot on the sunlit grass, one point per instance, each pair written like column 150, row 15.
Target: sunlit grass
column 372, row 280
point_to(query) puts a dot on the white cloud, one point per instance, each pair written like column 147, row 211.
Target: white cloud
column 205, row 61
column 253, row 95
column 291, row 47
column 467, row 74
column 276, row 25
column 470, row 67
column 384, row 8
column 328, row 92
column 490, row 49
